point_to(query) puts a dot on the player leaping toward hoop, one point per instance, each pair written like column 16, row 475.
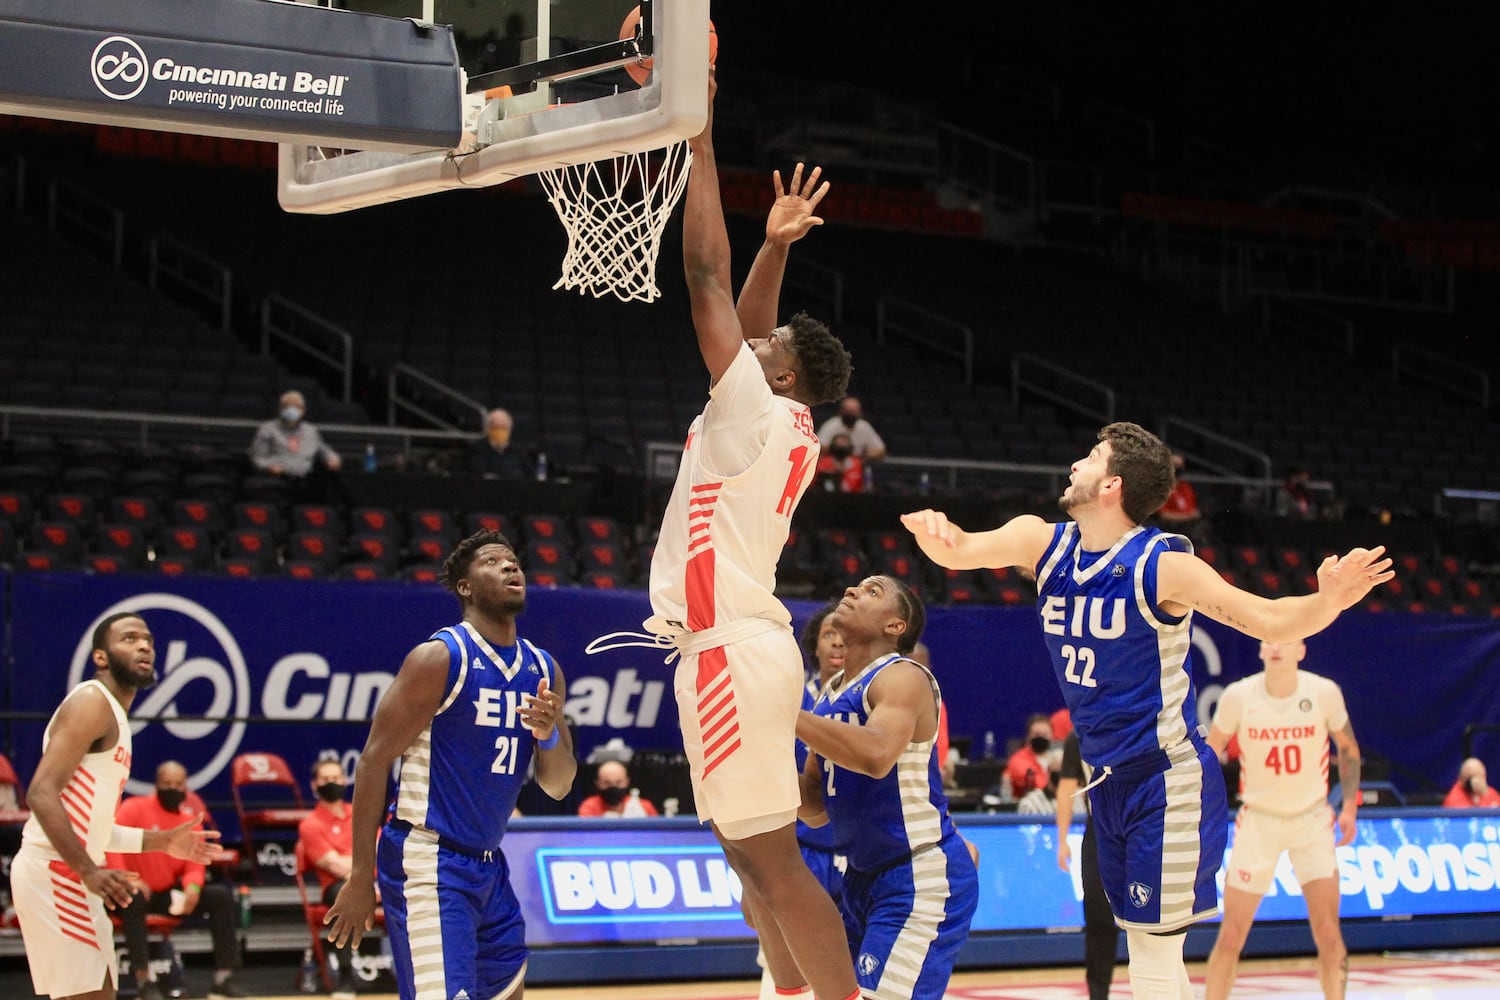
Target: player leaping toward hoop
column 748, row 459
column 1116, row 600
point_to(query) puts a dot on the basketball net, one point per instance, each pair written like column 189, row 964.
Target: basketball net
column 614, row 212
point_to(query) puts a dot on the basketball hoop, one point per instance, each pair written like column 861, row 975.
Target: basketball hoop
column 614, row 212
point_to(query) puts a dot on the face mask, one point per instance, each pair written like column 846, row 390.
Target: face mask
column 840, row 451
column 613, row 795
column 499, row 436
column 849, row 419
column 331, row 791
column 170, row 798
column 291, row 414
column 1040, row 744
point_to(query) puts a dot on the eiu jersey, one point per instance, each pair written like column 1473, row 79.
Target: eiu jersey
column 878, row 822
column 461, row 775
column 820, row 837
column 1124, row 666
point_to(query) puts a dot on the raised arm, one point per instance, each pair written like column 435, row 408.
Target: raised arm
column 1185, row 581
column 1021, row 541
column 404, row 711
column 705, row 254
column 790, row 219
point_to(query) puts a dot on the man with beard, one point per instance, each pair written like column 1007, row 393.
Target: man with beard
column 468, row 712
column 58, row 879
column 1116, row 598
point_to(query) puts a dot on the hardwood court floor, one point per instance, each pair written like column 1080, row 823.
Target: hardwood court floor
column 1435, row 975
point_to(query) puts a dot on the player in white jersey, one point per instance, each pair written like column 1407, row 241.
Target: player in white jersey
column 748, row 459
column 58, row 881
column 1115, row 602
column 1284, row 718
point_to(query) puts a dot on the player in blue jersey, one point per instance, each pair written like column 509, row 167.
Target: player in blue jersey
column 910, row 885
column 1116, row 599
column 469, row 712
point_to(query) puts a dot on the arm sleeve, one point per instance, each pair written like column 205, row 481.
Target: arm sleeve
column 323, row 451
column 315, row 841
column 262, row 448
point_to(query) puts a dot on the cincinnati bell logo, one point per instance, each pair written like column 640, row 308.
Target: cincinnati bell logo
column 118, row 67
column 200, row 671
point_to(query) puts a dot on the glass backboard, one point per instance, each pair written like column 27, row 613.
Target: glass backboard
column 544, row 86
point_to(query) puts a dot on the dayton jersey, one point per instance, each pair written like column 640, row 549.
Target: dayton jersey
column 1124, row 666
column 749, row 457
column 880, row 821
column 1284, row 747
column 92, row 794
column 461, row 775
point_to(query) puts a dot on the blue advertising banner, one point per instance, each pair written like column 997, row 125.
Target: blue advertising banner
column 296, row 668
column 636, row 881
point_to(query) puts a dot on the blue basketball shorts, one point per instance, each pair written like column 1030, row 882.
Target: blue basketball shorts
column 1161, row 840
column 454, row 922
column 905, row 939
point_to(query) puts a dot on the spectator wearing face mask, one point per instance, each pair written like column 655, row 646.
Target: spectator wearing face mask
column 167, row 884
column 327, row 836
column 496, row 455
column 1030, row 767
column 289, row 445
column 850, row 420
column 839, row 469
column 1472, row 789
column 615, row 799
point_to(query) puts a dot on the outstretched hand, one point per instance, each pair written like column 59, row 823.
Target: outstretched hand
column 1346, row 579
column 191, row 842
column 792, row 212
column 931, row 527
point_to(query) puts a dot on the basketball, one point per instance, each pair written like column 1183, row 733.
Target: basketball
column 641, row 69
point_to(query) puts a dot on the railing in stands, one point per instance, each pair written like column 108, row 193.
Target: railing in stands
column 13, row 181
column 400, row 397
column 73, row 211
column 897, row 317
column 230, row 433
column 192, row 271
column 326, row 343
column 1307, row 321
column 1060, row 385
column 1212, row 451
column 1411, row 361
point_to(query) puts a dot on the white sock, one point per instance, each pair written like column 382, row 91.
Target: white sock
column 1157, row 971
